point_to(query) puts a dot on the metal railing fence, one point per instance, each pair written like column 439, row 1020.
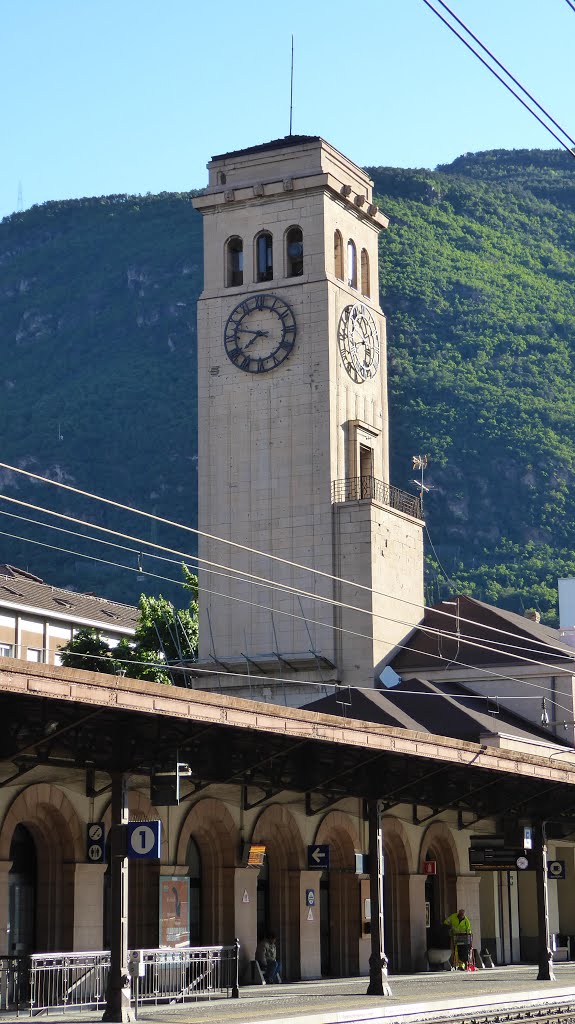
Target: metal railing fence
column 358, row 488
column 68, row 980
column 75, row 980
column 12, row 979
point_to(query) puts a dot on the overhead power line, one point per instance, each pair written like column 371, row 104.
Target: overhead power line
column 570, row 4
column 499, row 78
column 252, row 578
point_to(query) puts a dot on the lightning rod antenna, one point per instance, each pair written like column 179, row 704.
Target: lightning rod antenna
column 291, row 89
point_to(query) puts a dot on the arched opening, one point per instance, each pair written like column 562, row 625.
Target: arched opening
column 22, row 893
column 365, row 286
column 338, row 255
column 277, row 830
column 351, row 264
column 294, row 252
column 264, row 257
column 263, row 901
column 41, row 834
column 234, row 262
column 440, row 888
column 194, row 862
column 340, row 903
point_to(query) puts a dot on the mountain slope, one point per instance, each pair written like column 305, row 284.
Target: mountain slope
column 477, row 277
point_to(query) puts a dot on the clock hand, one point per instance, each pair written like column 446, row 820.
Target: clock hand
column 257, row 334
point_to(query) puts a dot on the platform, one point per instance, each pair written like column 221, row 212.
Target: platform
column 416, row 997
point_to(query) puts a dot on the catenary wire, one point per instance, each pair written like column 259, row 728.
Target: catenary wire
column 242, row 575
column 505, row 70
column 248, row 578
column 500, row 79
column 570, row 4
column 496, row 675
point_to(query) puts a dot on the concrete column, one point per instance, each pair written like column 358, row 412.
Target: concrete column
column 310, row 940
column 5, row 866
column 88, row 903
column 418, row 933
column 245, row 889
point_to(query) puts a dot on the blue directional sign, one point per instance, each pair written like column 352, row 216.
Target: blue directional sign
column 95, row 842
column 144, row 838
column 555, row 869
column 318, row 856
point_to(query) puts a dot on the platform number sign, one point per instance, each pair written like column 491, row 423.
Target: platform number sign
column 95, row 842
column 144, row 839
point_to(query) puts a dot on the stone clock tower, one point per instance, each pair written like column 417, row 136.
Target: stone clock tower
column 293, row 430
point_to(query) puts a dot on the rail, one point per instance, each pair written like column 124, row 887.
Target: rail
column 359, row 488
column 76, row 980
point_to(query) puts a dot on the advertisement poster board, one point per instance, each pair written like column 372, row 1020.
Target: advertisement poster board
column 174, row 910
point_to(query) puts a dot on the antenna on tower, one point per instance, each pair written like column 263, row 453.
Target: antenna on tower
column 291, row 89
column 20, row 198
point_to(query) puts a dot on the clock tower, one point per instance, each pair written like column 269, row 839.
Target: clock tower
column 325, row 573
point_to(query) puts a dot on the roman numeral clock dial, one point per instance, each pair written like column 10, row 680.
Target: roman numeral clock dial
column 260, row 333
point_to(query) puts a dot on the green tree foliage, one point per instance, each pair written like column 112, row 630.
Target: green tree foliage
column 89, row 651
column 165, row 639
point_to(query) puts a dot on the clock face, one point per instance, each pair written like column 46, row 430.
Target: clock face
column 359, row 342
column 260, row 333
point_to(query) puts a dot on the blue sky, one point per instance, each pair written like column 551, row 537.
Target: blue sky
column 105, row 96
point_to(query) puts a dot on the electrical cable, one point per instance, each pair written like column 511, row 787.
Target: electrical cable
column 240, row 576
column 506, row 70
column 500, row 79
column 243, row 575
column 570, row 4
column 496, row 675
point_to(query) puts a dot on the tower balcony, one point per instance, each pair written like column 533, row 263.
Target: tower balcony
column 368, row 488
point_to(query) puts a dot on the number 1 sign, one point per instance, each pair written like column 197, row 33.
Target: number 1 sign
column 144, row 839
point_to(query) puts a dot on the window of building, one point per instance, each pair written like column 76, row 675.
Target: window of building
column 264, row 257
column 294, row 252
column 34, row 654
column 351, row 264
column 6, row 650
column 234, row 262
column 338, row 255
column 365, row 273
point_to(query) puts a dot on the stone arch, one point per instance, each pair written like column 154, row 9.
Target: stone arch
column 276, row 827
column 143, row 877
column 340, row 897
column 398, row 861
column 441, row 888
column 54, row 825
column 211, row 826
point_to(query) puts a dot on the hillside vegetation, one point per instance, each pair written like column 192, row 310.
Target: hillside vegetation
column 477, row 276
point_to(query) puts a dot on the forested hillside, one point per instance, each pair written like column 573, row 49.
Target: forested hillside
column 97, row 334
column 478, row 282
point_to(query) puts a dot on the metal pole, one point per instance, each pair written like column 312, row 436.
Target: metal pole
column 545, row 954
column 118, row 1007
column 378, row 984
column 236, row 985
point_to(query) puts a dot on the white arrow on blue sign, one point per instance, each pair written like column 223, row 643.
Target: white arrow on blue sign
column 144, row 838
column 318, row 856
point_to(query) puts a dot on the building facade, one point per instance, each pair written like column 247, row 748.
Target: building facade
column 325, row 563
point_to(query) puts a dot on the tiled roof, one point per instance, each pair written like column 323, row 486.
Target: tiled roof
column 23, row 589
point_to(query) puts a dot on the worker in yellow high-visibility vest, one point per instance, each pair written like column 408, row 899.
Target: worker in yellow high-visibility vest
column 460, row 928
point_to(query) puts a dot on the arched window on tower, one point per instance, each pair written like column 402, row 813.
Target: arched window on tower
column 294, row 252
column 234, row 262
column 338, row 255
column 264, row 257
column 351, row 264
column 365, row 273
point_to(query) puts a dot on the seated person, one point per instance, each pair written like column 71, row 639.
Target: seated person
column 266, row 957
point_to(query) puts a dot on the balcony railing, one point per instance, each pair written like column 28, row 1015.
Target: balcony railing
column 361, row 487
